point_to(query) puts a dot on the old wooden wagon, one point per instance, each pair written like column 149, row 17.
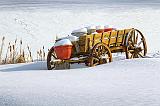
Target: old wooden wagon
column 95, row 49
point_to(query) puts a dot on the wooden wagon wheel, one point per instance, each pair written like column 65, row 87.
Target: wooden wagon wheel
column 100, row 54
column 136, row 46
column 51, row 64
column 50, row 57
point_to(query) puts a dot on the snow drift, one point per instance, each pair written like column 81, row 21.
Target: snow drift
column 122, row 83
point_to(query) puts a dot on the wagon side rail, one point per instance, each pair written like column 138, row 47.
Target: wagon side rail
column 115, row 40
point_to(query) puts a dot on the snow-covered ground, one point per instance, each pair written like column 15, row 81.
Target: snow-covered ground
column 120, row 83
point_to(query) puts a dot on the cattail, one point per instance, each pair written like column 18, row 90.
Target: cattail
column 21, row 47
column 10, row 49
column 15, row 41
column 43, row 54
column 3, row 38
column 5, row 61
column 1, row 49
column 27, row 54
column 40, row 52
column 13, row 47
column 13, row 53
column 56, row 37
column 23, row 54
column 30, row 54
column 21, row 41
column 37, row 55
column 28, row 47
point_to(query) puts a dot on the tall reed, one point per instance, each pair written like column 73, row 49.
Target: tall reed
column 1, row 49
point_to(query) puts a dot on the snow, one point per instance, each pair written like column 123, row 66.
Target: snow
column 124, row 82
column 119, row 83
column 82, row 30
column 71, row 38
column 63, row 42
column 91, row 27
column 100, row 27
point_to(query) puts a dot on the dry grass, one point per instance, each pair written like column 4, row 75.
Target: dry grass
column 41, row 55
column 16, row 52
column 1, row 49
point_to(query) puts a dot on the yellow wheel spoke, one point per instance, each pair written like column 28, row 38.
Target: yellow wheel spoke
column 140, row 54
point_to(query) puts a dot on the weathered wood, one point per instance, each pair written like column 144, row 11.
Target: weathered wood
column 136, row 46
column 84, row 43
column 100, row 54
column 113, row 38
column 105, row 38
column 120, row 36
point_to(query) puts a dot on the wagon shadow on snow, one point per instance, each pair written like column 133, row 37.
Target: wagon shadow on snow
column 42, row 66
column 37, row 66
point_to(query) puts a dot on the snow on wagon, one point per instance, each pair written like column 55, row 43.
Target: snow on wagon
column 94, row 46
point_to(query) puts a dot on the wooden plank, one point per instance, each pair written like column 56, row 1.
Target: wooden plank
column 82, row 49
column 106, row 34
column 85, row 43
column 126, row 31
column 113, row 37
column 106, row 41
column 82, row 43
column 105, row 38
column 82, row 40
column 120, row 36
column 117, row 48
column 114, row 33
column 96, row 38
column 112, row 40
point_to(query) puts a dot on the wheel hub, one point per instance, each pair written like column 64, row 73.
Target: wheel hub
column 138, row 49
